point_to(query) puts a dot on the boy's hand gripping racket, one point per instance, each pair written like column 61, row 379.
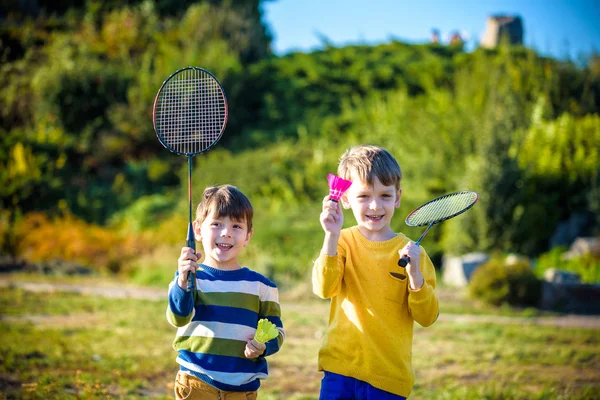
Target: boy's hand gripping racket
column 190, row 114
column 438, row 210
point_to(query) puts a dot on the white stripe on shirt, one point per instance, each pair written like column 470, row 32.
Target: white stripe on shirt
column 217, row 330
column 266, row 293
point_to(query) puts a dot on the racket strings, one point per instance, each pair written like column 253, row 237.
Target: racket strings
column 443, row 208
column 191, row 112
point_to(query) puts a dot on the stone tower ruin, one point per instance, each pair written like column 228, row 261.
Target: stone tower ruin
column 499, row 26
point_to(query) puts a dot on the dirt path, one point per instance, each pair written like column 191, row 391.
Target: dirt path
column 115, row 292
column 569, row 320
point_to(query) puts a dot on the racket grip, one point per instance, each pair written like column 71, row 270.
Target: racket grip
column 403, row 261
column 191, row 281
column 191, row 242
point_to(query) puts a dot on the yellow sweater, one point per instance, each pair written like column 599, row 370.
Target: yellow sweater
column 371, row 316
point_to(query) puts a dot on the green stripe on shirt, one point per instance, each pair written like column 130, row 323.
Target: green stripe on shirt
column 228, row 299
column 210, row 345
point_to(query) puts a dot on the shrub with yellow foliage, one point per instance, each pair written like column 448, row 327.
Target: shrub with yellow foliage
column 70, row 239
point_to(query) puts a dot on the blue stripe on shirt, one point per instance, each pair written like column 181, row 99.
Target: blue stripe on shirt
column 213, row 362
column 213, row 274
column 227, row 315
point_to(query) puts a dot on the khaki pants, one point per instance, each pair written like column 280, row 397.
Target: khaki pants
column 188, row 387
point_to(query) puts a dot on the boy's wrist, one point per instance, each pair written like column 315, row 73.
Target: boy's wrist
column 332, row 235
column 182, row 283
column 330, row 244
column 416, row 282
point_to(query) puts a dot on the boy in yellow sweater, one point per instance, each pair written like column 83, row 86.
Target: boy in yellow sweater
column 366, row 352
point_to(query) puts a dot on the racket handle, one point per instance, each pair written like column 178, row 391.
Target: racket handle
column 191, row 242
column 403, row 261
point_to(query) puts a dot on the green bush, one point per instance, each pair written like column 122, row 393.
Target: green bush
column 497, row 283
column 586, row 266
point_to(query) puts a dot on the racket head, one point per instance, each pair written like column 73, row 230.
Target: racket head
column 442, row 208
column 190, row 111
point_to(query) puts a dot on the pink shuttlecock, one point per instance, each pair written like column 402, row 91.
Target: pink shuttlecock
column 337, row 187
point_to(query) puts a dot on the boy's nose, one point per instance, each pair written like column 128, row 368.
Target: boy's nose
column 373, row 205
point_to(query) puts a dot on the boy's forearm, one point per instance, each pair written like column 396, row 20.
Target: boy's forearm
column 273, row 345
column 424, row 306
column 416, row 281
column 326, row 276
column 330, row 244
column 422, row 302
column 181, row 305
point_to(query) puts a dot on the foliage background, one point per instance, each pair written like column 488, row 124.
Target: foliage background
column 83, row 178
column 85, row 185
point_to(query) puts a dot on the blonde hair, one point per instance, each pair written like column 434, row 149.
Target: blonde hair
column 225, row 201
column 368, row 162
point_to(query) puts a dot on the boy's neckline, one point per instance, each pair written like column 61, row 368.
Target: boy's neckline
column 222, row 271
column 391, row 234
column 376, row 243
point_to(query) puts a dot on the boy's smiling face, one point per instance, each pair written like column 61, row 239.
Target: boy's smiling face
column 222, row 239
column 373, row 207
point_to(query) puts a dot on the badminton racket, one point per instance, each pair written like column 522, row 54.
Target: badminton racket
column 438, row 210
column 190, row 113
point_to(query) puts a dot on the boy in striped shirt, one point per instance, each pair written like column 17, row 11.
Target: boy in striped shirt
column 218, row 355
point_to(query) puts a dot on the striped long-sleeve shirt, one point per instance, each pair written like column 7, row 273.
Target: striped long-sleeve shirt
column 215, row 322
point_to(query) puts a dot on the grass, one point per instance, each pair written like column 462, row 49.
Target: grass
column 59, row 345
column 65, row 345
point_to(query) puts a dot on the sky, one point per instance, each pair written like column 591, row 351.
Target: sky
column 558, row 28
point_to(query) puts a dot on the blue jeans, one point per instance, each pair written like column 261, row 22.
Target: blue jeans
column 340, row 387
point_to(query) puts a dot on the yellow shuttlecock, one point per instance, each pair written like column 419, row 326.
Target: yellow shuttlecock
column 265, row 331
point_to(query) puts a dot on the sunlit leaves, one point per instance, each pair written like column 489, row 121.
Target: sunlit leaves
column 566, row 148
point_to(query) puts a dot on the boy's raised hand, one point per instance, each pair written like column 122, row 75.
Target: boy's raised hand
column 186, row 264
column 332, row 217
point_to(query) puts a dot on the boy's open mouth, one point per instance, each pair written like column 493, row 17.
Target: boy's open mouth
column 224, row 246
column 375, row 217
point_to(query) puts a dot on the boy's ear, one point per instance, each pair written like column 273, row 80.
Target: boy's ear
column 345, row 202
column 398, row 197
column 196, row 225
column 248, row 237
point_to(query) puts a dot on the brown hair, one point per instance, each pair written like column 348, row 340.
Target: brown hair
column 367, row 162
column 225, row 201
